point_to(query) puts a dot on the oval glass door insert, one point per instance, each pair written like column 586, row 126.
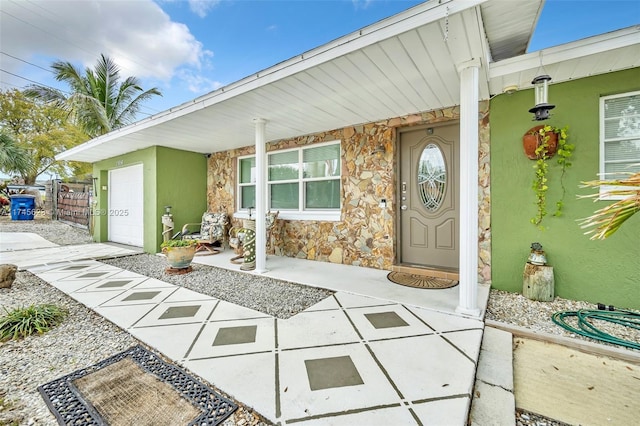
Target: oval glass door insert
column 432, row 177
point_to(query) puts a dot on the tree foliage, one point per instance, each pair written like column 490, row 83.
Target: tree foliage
column 99, row 101
column 42, row 131
column 13, row 159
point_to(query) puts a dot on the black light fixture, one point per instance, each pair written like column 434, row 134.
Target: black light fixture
column 541, row 88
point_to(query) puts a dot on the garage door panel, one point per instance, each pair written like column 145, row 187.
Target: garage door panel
column 126, row 205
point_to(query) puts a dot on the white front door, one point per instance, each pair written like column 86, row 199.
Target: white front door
column 126, row 212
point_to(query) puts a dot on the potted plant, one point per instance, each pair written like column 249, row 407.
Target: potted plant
column 537, row 136
column 537, row 255
column 550, row 140
column 179, row 253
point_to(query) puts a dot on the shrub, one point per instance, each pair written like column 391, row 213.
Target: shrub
column 22, row 322
column 178, row 243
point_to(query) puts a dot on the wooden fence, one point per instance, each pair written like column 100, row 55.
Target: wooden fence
column 74, row 207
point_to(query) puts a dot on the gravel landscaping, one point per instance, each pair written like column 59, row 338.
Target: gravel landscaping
column 277, row 298
column 85, row 338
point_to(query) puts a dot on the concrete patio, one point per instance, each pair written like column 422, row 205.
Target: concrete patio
column 373, row 353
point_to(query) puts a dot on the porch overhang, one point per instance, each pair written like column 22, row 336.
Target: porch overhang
column 613, row 51
column 401, row 65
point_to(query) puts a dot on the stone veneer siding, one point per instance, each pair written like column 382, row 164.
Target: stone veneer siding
column 366, row 233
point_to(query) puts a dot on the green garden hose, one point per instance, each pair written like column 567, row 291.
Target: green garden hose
column 588, row 329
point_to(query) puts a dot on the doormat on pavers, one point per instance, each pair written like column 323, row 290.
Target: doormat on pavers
column 420, row 281
column 134, row 387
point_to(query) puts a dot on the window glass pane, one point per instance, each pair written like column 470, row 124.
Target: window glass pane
column 283, row 166
column 248, row 170
column 624, row 113
column 284, row 196
column 323, row 161
column 623, row 150
column 322, row 194
column 248, row 197
column 432, row 177
column 620, row 167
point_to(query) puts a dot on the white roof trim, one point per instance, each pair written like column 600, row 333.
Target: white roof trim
column 589, row 46
column 419, row 15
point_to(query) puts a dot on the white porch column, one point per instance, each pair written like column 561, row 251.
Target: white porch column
column 468, row 239
column 261, row 191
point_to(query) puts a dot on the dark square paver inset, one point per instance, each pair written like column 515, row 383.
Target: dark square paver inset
column 75, row 267
column 326, row 373
column 141, row 295
column 386, row 320
column 92, row 275
column 235, row 335
column 180, row 312
column 114, row 284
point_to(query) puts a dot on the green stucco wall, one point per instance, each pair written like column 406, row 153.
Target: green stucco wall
column 182, row 184
column 170, row 177
column 596, row 271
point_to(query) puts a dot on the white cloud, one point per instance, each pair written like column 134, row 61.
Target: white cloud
column 201, row 7
column 197, row 83
column 138, row 35
column 361, row 4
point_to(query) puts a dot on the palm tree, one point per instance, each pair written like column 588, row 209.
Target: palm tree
column 99, row 103
column 12, row 157
column 609, row 219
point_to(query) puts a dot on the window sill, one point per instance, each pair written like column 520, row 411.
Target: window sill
column 334, row 216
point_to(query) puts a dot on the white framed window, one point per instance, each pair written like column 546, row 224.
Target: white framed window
column 619, row 136
column 302, row 183
column 246, row 183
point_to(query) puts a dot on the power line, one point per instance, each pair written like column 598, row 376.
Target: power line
column 55, row 18
column 2, row 82
column 26, row 62
column 47, row 15
column 31, row 81
column 53, row 88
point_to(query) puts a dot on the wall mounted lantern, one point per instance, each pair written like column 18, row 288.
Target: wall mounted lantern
column 541, row 89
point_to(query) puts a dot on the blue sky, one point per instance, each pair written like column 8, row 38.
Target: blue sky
column 189, row 48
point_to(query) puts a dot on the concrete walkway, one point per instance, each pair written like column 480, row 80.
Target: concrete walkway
column 373, row 353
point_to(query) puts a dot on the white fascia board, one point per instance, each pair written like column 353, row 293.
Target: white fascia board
column 415, row 17
column 481, row 48
column 589, row 46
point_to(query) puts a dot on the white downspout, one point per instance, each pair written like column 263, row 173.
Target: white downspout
column 261, row 191
column 468, row 238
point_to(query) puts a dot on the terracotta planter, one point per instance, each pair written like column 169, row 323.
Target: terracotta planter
column 532, row 139
column 179, row 257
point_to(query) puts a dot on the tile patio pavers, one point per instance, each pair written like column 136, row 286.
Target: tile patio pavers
column 349, row 359
column 25, row 259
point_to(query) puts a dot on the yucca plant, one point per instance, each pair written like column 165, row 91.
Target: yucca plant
column 609, row 219
column 23, row 322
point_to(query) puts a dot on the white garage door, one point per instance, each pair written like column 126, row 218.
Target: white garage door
column 126, row 206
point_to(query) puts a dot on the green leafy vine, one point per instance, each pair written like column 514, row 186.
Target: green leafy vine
column 541, row 169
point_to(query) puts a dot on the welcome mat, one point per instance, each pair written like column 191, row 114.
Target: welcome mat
column 134, row 387
column 420, row 281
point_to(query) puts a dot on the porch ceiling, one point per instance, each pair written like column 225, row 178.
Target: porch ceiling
column 401, row 65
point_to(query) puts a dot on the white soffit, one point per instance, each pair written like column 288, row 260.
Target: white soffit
column 509, row 26
column 613, row 51
column 402, row 65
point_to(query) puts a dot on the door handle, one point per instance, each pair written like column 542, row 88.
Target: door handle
column 403, row 207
